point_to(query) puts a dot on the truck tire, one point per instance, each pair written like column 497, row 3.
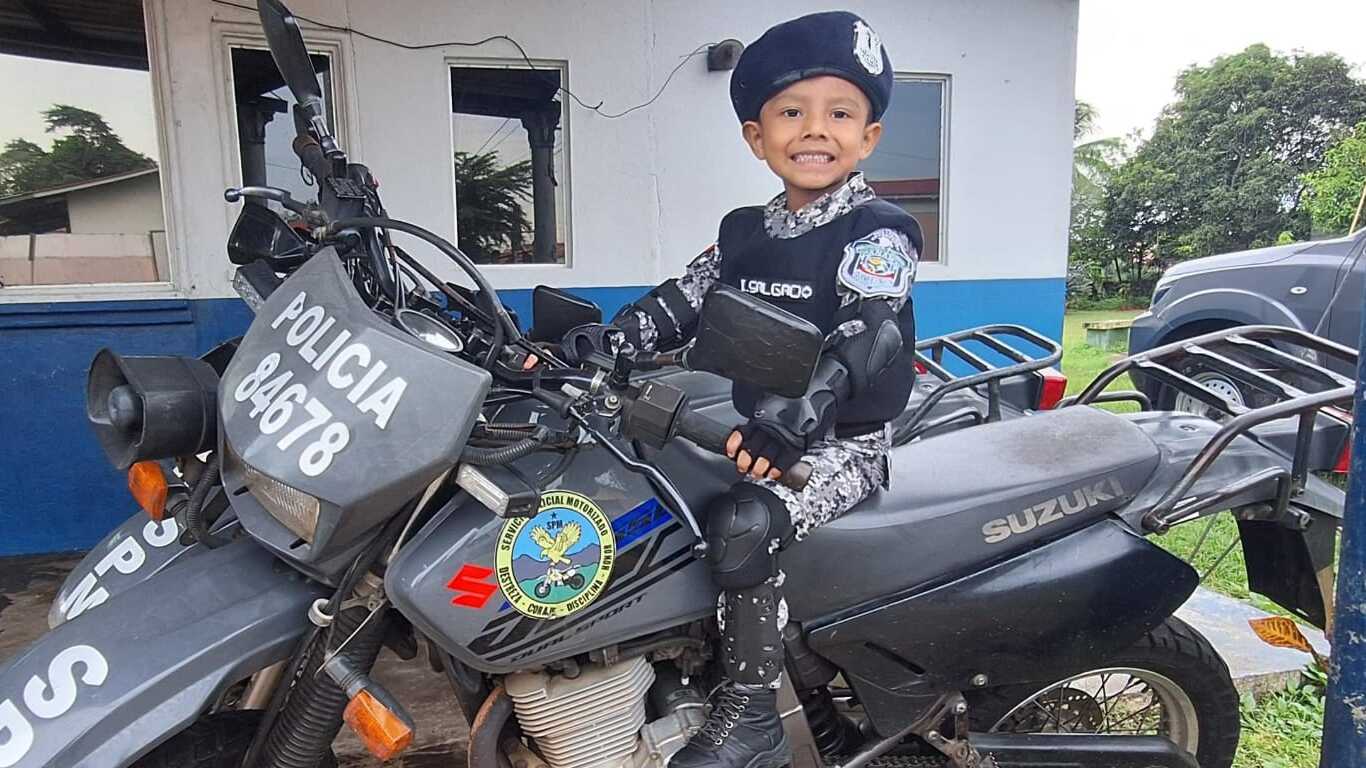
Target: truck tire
column 218, row 740
column 1185, row 673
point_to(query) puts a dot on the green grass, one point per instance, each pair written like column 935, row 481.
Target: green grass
column 1283, row 730
column 1082, row 362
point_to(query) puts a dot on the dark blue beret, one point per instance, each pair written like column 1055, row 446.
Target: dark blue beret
column 831, row 43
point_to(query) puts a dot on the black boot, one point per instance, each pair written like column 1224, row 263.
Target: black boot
column 743, row 730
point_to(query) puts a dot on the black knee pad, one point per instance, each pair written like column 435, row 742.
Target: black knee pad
column 742, row 525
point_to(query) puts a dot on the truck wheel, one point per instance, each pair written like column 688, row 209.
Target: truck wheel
column 219, row 740
column 1217, row 383
column 1171, row 683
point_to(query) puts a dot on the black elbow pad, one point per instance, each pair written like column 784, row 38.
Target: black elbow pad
column 869, row 353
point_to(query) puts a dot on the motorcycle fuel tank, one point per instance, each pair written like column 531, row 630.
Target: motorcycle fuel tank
column 601, row 562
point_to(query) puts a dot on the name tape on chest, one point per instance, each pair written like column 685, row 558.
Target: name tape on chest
column 785, row 290
column 876, row 266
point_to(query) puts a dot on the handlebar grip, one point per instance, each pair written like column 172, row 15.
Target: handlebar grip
column 711, row 435
column 311, row 155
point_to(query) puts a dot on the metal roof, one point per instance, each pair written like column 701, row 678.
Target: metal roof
column 107, row 33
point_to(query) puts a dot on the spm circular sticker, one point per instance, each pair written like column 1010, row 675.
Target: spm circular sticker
column 556, row 563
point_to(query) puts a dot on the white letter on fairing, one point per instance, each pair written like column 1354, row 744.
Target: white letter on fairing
column 292, row 311
column 20, row 739
column 162, row 533
column 127, row 556
column 340, row 380
column 384, row 401
column 62, row 670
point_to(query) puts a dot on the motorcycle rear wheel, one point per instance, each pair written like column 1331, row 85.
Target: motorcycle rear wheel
column 1171, row 683
column 218, row 740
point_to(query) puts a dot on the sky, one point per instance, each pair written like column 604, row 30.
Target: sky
column 1130, row 52
column 1128, row 55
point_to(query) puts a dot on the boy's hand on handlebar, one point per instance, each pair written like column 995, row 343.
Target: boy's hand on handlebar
column 769, row 460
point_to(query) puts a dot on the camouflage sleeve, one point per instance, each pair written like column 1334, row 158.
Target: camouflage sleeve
column 668, row 314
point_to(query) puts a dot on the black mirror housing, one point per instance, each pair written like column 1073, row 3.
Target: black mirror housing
column 555, row 312
column 751, row 341
column 261, row 234
column 287, row 47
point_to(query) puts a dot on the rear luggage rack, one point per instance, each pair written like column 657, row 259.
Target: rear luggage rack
column 1315, row 389
column 930, row 356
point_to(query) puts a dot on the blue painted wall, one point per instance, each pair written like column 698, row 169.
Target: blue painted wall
column 57, row 491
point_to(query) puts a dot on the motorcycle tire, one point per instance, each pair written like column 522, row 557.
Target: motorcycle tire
column 542, row 590
column 1173, row 652
column 576, row 581
column 218, row 740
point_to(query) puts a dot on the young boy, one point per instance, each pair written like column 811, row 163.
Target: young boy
column 809, row 94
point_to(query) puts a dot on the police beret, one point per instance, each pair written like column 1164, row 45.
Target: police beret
column 831, row 43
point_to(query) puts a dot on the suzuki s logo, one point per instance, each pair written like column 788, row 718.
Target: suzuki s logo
column 1052, row 510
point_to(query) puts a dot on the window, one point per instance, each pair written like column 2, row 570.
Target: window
column 265, row 123
column 508, row 127
column 80, row 173
column 908, row 166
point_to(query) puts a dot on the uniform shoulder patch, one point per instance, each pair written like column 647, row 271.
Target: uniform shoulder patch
column 876, row 265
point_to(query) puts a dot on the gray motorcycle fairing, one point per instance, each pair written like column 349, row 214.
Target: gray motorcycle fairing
column 131, row 553
column 101, row 690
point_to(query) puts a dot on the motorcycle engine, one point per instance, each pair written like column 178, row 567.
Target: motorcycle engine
column 598, row 718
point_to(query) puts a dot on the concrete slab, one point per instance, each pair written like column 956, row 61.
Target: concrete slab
column 1256, row 667
column 28, row 585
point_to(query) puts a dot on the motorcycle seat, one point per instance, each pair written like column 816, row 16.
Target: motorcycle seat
column 962, row 500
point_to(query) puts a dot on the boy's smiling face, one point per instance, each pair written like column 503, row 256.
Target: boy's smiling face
column 813, row 134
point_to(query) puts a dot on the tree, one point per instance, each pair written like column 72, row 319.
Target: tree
column 86, row 148
column 489, row 216
column 1093, row 163
column 1333, row 191
column 1224, row 168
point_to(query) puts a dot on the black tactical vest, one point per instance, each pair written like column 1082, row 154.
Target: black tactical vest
column 799, row 275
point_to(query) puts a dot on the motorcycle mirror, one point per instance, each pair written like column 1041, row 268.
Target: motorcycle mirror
column 554, row 313
column 748, row 340
column 287, row 48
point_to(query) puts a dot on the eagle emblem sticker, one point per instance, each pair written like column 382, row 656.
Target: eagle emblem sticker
column 876, row 265
column 556, row 563
column 868, row 48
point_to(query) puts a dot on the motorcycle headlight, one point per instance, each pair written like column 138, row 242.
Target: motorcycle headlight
column 293, row 508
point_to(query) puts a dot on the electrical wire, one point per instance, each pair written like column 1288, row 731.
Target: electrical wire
column 595, row 108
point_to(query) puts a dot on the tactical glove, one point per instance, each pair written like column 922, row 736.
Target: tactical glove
column 765, row 439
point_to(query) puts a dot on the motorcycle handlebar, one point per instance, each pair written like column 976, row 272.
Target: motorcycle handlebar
column 711, row 435
column 311, row 154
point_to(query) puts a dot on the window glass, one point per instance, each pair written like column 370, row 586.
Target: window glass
column 80, row 178
column 907, row 166
column 508, row 127
column 265, row 123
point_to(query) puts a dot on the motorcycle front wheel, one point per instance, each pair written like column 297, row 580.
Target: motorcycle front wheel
column 1172, row 683
column 218, row 740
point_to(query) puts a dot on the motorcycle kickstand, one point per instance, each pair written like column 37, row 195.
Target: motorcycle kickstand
column 960, row 753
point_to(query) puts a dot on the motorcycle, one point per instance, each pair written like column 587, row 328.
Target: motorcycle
column 370, row 466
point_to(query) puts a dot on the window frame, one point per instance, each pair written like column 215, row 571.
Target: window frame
column 945, row 82
column 229, row 35
column 509, row 274
column 158, row 70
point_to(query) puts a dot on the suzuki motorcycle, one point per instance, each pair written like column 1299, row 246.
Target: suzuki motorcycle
column 369, row 466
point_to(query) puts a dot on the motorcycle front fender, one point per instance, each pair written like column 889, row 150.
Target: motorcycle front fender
column 129, row 555
column 102, row 690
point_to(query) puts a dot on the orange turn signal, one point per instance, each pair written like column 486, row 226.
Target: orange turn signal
column 382, row 732
column 148, row 484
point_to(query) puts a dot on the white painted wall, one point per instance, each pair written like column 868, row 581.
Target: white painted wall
column 124, row 207
column 647, row 190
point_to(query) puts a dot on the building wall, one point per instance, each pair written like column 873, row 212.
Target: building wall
column 126, row 207
column 646, row 190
